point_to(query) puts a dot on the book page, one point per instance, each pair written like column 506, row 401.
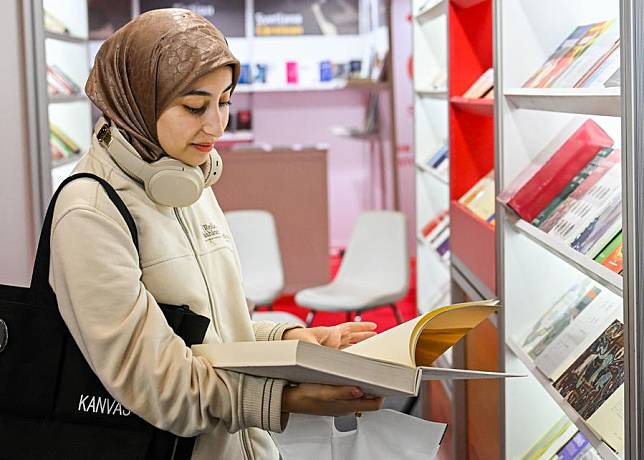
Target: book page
column 391, row 345
column 608, row 420
column 578, row 335
column 420, row 341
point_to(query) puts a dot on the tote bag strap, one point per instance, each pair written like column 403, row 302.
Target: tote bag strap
column 40, row 276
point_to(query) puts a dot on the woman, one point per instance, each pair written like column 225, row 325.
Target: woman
column 164, row 83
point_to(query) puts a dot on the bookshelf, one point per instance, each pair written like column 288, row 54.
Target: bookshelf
column 429, row 46
column 533, row 268
column 56, row 99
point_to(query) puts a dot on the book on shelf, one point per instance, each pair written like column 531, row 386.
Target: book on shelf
column 539, row 341
column 592, row 384
column 392, row 362
column 442, row 219
column 592, row 313
column 64, row 138
column 544, row 221
column 59, row 84
column 480, row 198
column 482, row 86
column 53, row 24
column 589, row 49
column 570, row 63
column 577, row 448
column 611, row 256
column 552, row 441
column 602, row 72
column 557, row 61
column 555, row 168
column 592, row 218
column 439, row 162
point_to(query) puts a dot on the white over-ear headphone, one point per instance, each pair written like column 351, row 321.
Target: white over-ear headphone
column 167, row 181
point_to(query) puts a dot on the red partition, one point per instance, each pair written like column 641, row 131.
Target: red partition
column 471, row 127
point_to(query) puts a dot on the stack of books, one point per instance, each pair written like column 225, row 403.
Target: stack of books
column 62, row 146
column 578, row 344
column 572, row 192
column 480, row 198
column 436, row 234
column 588, row 57
column 483, row 87
column 59, row 84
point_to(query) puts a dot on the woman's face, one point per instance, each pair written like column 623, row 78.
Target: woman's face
column 188, row 127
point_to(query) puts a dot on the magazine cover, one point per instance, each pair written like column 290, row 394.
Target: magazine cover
column 596, row 373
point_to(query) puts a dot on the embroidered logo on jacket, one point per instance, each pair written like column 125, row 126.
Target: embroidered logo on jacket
column 101, row 405
column 210, row 233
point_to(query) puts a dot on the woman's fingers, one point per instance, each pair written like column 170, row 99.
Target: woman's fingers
column 358, row 326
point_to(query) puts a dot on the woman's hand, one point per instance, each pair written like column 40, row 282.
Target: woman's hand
column 339, row 336
column 315, row 399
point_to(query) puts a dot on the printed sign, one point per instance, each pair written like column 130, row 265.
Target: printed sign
column 227, row 15
column 297, row 17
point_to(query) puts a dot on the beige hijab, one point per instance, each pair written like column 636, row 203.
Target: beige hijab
column 147, row 63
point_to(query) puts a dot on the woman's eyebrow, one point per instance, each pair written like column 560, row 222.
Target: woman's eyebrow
column 200, row 92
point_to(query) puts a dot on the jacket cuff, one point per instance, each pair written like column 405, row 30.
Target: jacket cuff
column 267, row 330
column 262, row 403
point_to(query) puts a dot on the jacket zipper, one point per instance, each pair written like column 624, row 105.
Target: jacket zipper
column 203, row 273
column 177, row 213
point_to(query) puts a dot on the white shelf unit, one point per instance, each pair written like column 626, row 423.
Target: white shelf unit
column 429, row 30
column 69, row 52
column 534, row 269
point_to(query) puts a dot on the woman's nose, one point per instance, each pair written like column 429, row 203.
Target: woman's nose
column 214, row 126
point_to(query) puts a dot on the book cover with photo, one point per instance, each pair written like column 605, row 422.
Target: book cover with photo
column 558, row 60
column 596, row 374
column 557, row 318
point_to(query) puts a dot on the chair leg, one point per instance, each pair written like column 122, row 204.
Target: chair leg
column 394, row 307
column 309, row 317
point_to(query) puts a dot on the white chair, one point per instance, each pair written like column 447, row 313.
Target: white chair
column 256, row 239
column 374, row 271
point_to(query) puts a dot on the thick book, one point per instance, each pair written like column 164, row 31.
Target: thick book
column 391, row 363
column 592, row 384
column 552, row 441
column 548, row 179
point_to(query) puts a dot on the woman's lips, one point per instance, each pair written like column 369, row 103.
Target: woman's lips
column 203, row 147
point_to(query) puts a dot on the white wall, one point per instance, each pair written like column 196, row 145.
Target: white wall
column 16, row 225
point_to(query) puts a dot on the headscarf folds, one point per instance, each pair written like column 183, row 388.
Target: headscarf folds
column 149, row 62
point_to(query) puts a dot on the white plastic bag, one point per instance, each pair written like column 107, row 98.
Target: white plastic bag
column 385, row 434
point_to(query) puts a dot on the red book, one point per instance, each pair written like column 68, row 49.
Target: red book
column 432, row 224
column 559, row 170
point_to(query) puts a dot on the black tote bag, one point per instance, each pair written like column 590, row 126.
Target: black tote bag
column 52, row 405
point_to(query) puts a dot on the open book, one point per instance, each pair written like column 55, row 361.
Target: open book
column 392, row 362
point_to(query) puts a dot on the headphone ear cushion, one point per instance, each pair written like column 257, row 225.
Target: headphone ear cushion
column 213, row 168
column 172, row 183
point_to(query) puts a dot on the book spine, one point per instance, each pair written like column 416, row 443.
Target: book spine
column 56, row 131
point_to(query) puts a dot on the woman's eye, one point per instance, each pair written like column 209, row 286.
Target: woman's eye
column 195, row 110
column 225, row 104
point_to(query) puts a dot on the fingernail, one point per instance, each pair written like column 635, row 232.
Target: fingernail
column 357, row 392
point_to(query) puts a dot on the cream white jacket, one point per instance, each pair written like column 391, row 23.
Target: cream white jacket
column 108, row 293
